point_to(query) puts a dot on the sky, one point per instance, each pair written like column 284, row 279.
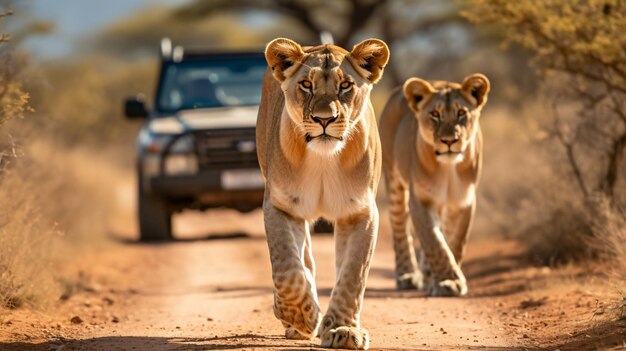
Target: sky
column 77, row 18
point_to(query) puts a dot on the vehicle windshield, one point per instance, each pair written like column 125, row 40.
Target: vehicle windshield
column 215, row 82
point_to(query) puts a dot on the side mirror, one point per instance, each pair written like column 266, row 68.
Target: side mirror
column 135, row 107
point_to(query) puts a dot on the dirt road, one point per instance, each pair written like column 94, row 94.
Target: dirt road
column 216, row 294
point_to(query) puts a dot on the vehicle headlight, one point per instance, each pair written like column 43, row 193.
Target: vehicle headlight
column 184, row 144
column 153, row 144
column 180, row 158
column 157, row 143
column 181, row 164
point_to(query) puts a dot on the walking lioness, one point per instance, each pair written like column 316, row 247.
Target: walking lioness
column 319, row 152
column 432, row 146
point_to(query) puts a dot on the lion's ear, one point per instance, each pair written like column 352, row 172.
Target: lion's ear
column 416, row 92
column 281, row 54
column 369, row 58
column 475, row 89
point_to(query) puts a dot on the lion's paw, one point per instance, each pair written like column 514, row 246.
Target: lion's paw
column 410, row 281
column 346, row 338
column 449, row 287
column 303, row 318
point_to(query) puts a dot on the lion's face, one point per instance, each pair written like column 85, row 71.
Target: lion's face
column 326, row 88
column 325, row 97
column 447, row 113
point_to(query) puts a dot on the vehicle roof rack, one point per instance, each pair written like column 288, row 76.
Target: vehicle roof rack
column 171, row 53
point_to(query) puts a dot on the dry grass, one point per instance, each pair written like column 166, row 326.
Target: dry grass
column 25, row 255
column 609, row 226
column 55, row 197
column 27, row 236
column 561, row 226
column 55, row 202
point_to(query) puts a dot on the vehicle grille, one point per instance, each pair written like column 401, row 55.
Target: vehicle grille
column 226, row 149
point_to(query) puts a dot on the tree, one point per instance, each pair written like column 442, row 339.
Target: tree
column 390, row 20
column 342, row 18
column 580, row 52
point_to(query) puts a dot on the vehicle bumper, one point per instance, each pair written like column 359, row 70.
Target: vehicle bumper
column 206, row 188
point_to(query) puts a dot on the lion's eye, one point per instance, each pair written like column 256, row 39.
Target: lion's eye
column 461, row 113
column 306, row 84
column 435, row 114
column 345, row 85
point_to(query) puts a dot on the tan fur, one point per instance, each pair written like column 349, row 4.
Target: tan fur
column 319, row 152
column 432, row 162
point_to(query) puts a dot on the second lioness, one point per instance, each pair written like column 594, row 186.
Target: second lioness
column 432, row 146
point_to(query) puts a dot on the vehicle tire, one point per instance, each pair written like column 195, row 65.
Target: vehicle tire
column 155, row 217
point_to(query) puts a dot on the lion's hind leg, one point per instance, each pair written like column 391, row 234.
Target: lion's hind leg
column 408, row 274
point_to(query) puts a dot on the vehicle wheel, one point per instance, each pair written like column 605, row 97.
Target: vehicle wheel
column 322, row 226
column 155, row 217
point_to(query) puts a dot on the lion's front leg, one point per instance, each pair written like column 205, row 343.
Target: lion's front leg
column 445, row 276
column 458, row 223
column 295, row 296
column 355, row 241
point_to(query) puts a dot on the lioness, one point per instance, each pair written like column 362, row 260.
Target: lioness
column 319, row 152
column 432, row 146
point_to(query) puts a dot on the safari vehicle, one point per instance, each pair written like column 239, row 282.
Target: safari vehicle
column 197, row 146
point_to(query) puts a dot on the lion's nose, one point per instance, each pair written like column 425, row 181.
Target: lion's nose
column 449, row 140
column 324, row 121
